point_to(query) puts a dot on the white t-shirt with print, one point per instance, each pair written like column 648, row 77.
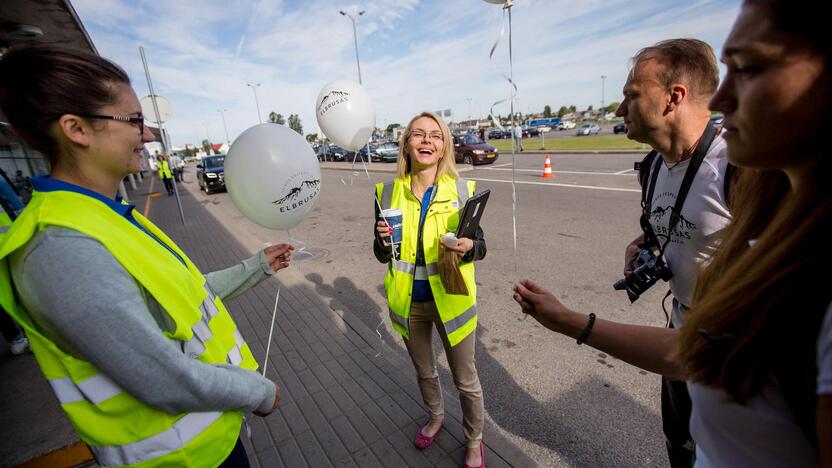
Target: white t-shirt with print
column 763, row 432
column 703, row 218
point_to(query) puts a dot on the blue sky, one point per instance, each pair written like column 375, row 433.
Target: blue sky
column 415, row 55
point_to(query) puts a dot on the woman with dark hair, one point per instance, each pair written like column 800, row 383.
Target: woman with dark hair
column 430, row 194
column 757, row 347
column 134, row 340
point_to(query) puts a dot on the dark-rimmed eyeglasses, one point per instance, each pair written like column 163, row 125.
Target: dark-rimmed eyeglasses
column 138, row 121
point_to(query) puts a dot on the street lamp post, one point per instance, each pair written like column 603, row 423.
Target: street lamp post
column 254, row 87
column 222, row 112
column 469, row 109
column 603, row 110
column 355, row 37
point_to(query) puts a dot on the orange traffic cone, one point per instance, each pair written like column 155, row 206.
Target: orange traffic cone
column 547, row 168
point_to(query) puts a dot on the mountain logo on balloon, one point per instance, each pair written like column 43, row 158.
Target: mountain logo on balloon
column 332, row 99
column 295, row 196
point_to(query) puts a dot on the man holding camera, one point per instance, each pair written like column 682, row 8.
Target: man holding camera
column 684, row 212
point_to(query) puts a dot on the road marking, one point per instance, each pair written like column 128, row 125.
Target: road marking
column 561, row 172
column 591, row 187
column 498, row 165
column 147, row 200
column 624, row 171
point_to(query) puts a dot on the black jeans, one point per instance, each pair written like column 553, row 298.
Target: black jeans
column 8, row 328
column 676, row 410
column 168, row 185
column 238, row 458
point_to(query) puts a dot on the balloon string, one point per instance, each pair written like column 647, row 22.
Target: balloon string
column 271, row 332
column 512, row 96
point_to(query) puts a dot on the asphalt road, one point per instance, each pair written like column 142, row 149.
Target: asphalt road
column 566, row 405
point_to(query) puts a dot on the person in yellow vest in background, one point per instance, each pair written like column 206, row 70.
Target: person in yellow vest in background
column 165, row 173
column 134, row 340
column 430, row 195
column 10, row 208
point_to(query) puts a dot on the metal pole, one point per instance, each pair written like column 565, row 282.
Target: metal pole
column 358, row 65
column 256, row 102
column 603, row 110
column 222, row 112
column 161, row 130
column 469, row 109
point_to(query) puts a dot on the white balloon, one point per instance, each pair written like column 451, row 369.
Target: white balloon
column 346, row 114
column 273, row 176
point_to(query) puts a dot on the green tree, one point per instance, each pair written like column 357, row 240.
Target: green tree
column 589, row 108
column 294, row 123
column 311, row 137
column 389, row 129
column 206, row 146
column 563, row 111
column 547, row 111
column 274, row 117
column 612, row 107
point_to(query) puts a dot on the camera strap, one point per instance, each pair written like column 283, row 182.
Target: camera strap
column 695, row 162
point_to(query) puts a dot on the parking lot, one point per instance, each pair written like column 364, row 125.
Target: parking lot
column 566, row 405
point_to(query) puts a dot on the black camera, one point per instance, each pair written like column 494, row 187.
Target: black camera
column 650, row 269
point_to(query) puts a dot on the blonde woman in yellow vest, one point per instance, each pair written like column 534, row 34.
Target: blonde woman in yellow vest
column 134, row 340
column 430, row 194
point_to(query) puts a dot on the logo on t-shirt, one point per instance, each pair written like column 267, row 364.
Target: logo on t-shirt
column 660, row 219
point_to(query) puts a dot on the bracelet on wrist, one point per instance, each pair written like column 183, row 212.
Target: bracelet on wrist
column 582, row 339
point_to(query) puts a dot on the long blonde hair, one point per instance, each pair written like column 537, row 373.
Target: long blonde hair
column 447, row 164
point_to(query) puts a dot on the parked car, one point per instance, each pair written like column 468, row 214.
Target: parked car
column 386, row 152
column 619, row 128
column 531, row 132
column 544, row 129
column 470, row 149
column 566, row 125
column 497, row 134
column 210, row 173
column 588, row 129
column 330, row 153
column 360, row 155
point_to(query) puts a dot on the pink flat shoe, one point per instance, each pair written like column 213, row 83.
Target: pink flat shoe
column 422, row 441
column 482, row 459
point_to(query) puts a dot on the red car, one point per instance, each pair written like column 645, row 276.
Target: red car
column 470, row 149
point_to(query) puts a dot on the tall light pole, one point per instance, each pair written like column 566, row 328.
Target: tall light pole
column 254, row 87
column 469, row 109
column 222, row 112
column 355, row 37
column 603, row 110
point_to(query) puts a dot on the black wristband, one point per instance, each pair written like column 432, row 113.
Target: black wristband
column 587, row 330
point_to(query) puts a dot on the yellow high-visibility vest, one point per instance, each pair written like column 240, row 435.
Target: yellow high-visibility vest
column 119, row 429
column 164, row 170
column 458, row 312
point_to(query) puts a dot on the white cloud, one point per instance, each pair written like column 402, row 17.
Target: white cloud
column 414, row 55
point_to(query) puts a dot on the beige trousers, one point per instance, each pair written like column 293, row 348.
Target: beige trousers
column 423, row 318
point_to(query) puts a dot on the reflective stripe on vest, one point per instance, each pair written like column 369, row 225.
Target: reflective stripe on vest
column 419, row 272
column 182, row 432
column 95, row 389
column 460, row 320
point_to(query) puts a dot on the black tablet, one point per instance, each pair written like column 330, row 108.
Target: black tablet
column 469, row 217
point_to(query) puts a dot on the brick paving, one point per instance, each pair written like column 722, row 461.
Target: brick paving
column 341, row 405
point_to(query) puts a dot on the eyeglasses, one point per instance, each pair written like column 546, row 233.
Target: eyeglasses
column 138, row 121
column 420, row 135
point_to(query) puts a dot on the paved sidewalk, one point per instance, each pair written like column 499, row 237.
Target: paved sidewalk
column 341, row 406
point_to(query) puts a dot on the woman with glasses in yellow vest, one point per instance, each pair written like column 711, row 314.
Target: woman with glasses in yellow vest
column 134, row 340
column 430, row 194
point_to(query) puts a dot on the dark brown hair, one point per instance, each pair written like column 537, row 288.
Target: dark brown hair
column 39, row 84
column 758, row 309
column 687, row 61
